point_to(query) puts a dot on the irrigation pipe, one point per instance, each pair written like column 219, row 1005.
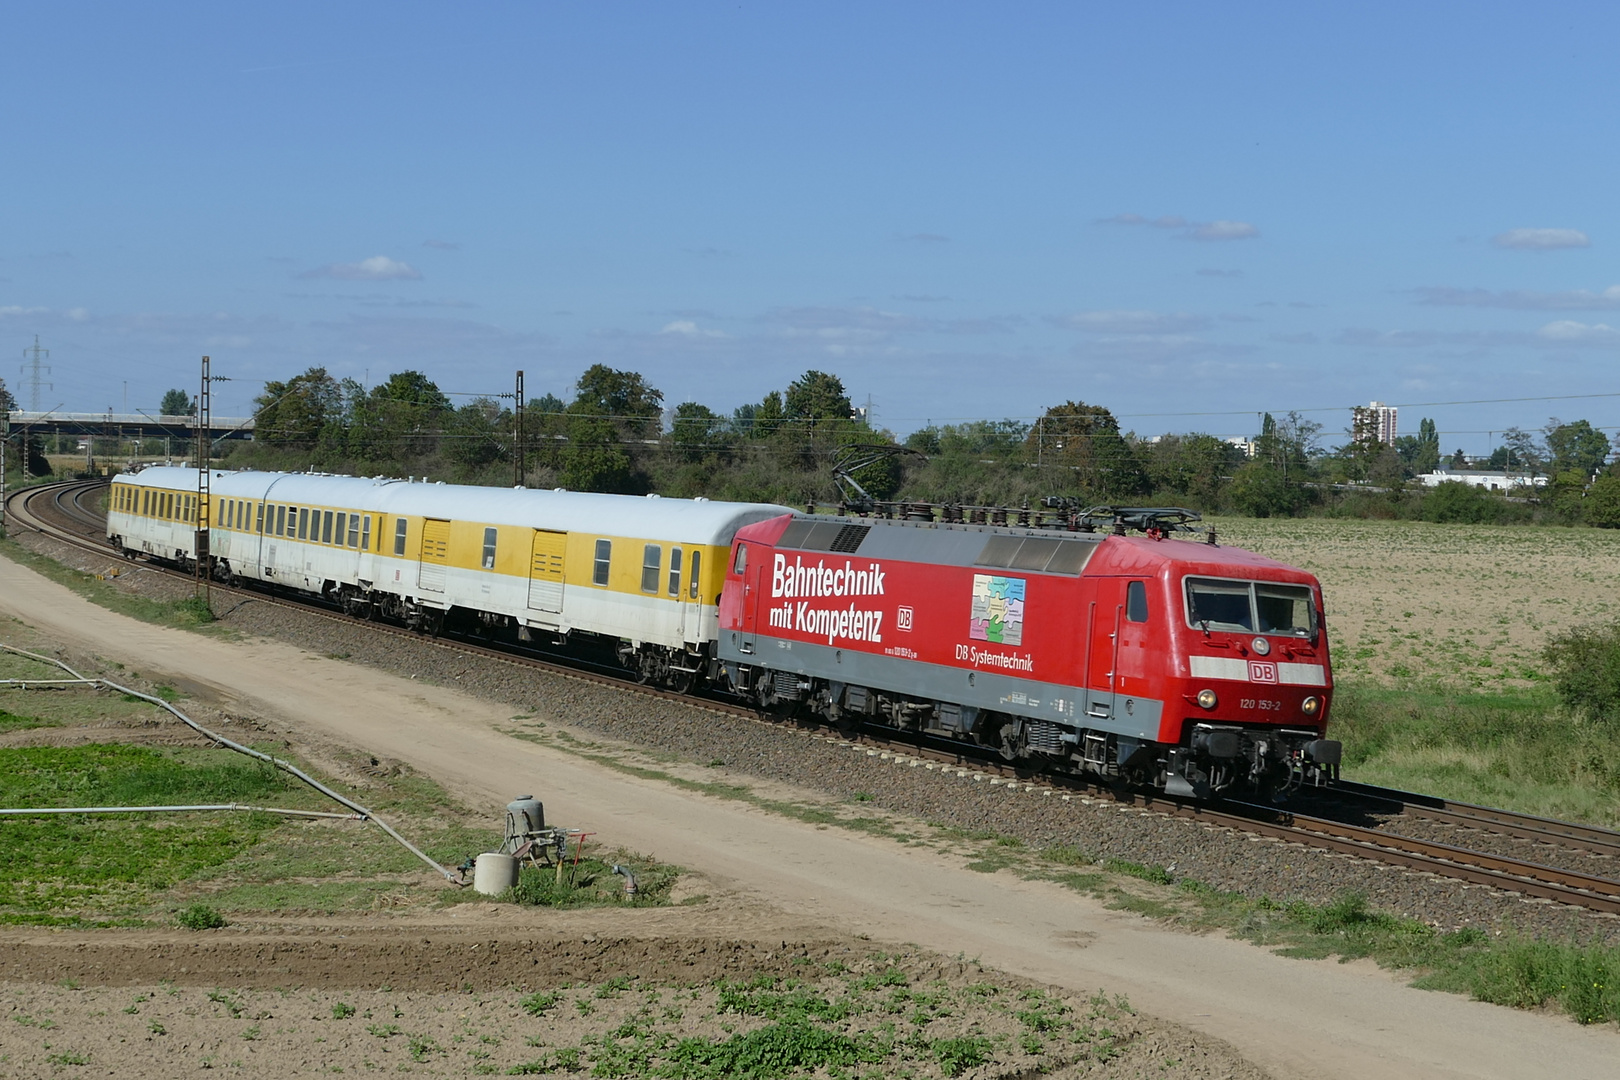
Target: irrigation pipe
column 30, row 811
column 285, row 766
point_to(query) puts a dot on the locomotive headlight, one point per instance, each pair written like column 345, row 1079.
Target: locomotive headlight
column 1311, row 706
column 1206, row 699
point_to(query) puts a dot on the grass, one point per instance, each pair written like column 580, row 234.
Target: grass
column 75, row 870
column 1516, row 749
column 591, row 883
column 832, row 1021
column 188, row 613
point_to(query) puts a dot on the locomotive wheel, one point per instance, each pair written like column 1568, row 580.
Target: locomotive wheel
column 1012, row 742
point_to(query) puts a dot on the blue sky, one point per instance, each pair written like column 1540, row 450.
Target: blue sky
column 1187, row 213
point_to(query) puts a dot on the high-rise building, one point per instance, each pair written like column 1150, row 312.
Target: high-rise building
column 1375, row 421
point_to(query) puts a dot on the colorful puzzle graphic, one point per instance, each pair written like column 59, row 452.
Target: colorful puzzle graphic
column 998, row 609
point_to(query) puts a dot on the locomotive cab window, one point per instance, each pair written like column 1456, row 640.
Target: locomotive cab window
column 1284, row 609
column 741, row 563
column 489, row 549
column 1250, row 606
column 652, row 560
column 604, row 560
column 1136, row 604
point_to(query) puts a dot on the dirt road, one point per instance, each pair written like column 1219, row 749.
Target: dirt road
column 1294, row 1018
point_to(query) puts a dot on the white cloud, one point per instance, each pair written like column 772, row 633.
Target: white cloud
column 1523, row 300
column 688, row 328
column 1541, row 239
column 1133, row 322
column 1569, row 332
column 873, row 324
column 1189, row 230
column 76, row 314
column 1225, row 230
column 376, row 268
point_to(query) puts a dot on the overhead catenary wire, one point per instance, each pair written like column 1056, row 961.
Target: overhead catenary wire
column 284, row 766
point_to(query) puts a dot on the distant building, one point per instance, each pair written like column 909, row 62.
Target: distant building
column 1245, row 445
column 1374, row 421
column 1489, row 479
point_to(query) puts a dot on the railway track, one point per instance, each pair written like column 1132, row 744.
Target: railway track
column 62, row 512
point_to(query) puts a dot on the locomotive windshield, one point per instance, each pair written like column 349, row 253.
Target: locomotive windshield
column 1249, row 607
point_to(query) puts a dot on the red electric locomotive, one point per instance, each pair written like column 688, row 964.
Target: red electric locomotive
column 1191, row 667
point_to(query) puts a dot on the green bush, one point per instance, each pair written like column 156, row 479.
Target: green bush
column 200, row 917
column 1454, row 501
column 1586, row 670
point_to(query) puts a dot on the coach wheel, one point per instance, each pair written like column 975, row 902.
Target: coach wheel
column 682, row 681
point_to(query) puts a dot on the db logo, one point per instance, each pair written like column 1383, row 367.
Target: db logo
column 1262, row 671
column 902, row 619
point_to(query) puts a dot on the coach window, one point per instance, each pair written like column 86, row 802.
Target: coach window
column 365, row 533
column 692, row 576
column 342, row 526
column 489, row 549
column 675, row 572
column 303, row 523
column 604, row 557
column 399, row 536
column 326, row 527
column 354, row 530
column 652, row 558
column 1136, row 608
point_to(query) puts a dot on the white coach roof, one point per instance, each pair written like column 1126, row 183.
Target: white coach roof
column 693, row 520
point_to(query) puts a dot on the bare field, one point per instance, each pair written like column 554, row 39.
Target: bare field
column 1468, row 606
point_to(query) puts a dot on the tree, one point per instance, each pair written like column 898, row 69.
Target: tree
column 693, row 435
column 177, row 403
column 412, row 388
column 1192, row 466
column 602, row 391
column 298, row 411
column 1086, row 439
column 1420, row 452
column 1520, row 452
column 1456, row 502
column 1576, row 445
column 7, row 402
column 403, row 415
column 815, row 396
column 480, row 433
column 594, row 459
column 1602, row 503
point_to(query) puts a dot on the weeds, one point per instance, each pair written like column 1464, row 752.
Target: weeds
column 200, row 917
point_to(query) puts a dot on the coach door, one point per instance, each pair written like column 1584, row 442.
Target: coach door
column 546, row 571
column 435, row 554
